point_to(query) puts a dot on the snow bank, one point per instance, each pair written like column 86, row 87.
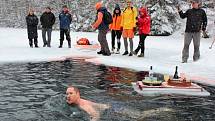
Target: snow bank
column 163, row 53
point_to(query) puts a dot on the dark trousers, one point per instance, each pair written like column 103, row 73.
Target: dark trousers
column 49, row 32
column 141, row 44
column 116, row 34
column 68, row 38
column 103, row 41
column 35, row 42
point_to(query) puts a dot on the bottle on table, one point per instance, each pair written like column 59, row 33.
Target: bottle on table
column 151, row 72
column 176, row 73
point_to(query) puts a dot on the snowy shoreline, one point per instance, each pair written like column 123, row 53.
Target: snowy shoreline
column 163, row 53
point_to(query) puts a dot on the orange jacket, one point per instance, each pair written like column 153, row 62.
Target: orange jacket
column 98, row 21
column 116, row 25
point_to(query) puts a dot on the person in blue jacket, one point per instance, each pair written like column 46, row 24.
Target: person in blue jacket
column 65, row 20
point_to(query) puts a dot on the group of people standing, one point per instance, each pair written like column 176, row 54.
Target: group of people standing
column 47, row 21
column 124, row 24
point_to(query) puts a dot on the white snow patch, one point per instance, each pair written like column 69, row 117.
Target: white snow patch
column 163, row 53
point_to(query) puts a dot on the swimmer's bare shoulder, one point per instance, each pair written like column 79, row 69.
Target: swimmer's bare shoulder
column 94, row 109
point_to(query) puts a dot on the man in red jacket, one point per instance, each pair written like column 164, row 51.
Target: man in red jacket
column 144, row 24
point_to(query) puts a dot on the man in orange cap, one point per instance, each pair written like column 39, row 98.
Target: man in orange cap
column 103, row 28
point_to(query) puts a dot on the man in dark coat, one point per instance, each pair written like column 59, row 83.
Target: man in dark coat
column 65, row 20
column 196, row 21
column 47, row 21
column 103, row 29
column 32, row 22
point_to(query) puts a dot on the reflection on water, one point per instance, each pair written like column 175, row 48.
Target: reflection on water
column 34, row 92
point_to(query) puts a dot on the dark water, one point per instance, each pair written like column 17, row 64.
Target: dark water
column 35, row 92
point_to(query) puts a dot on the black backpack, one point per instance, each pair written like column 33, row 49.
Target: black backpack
column 107, row 17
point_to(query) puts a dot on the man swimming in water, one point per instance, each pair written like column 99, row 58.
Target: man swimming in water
column 73, row 98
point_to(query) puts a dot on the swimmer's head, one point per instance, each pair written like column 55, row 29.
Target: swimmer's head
column 72, row 95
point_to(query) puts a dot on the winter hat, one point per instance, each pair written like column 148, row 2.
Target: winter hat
column 117, row 6
column 98, row 5
column 143, row 10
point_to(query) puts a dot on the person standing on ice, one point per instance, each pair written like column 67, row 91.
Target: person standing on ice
column 144, row 24
column 32, row 22
column 115, row 28
column 47, row 21
column 196, row 21
column 128, row 26
column 103, row 28
column 65, row 20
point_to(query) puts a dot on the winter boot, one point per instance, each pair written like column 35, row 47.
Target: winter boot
column 117, row 52
column 125, row 53
column 106, row 54
column 196, row 59
column 44, row 45
column 36, row 43
column 184, row 61
column 141, row 55
column 112, row 51
column 31, row 43
column 100, row 52
column 135, row 52
column 61, row 44
column 69, row 44
column 48, row 45
column 130, row 54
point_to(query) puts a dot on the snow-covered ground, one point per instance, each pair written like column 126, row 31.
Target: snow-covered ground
column 163, row 53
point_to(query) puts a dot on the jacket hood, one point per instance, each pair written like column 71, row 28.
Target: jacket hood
column 144, row 11
column 117, row 7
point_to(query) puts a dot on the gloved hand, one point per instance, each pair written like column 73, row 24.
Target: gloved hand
column 205, row 35
column 121, row 28
column 178, row 8
column 134, row 29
